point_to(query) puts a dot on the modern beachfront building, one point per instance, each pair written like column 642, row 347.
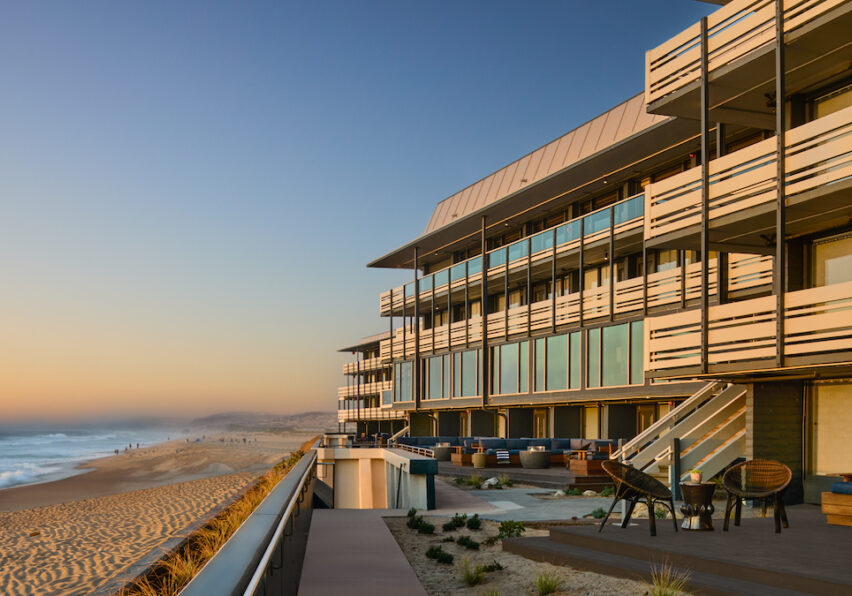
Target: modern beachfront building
column 676, row 272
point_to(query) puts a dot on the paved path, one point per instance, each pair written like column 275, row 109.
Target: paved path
column 352, row 552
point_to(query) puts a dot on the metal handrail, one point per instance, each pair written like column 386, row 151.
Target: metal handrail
column 652, row 431
column 418, row 450
column 263, row 564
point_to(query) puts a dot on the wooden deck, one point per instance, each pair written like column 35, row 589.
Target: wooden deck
column 809, row 557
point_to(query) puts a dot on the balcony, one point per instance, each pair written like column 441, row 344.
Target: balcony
column 746, row 273
column 361, row 366
column 743, row 189
column 741, row 58
column 354, row 391
column 355, row 414
column 535, row 251
column 741, row 335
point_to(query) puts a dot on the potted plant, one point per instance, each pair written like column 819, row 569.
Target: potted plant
column 695, row 476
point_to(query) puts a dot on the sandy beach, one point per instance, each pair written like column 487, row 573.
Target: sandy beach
column 76, row 535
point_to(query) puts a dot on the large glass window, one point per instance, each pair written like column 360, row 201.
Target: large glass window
column 594, row 346
column 833, row 260
column 539, row 364
column 509, row 368
column 523, row 379
column 576, row 360
column 830, row 420
column 434, row 376
column 495, row 369
column 457, row 374
column 615, row 354
column 446, row 368
column 637, row 355
column 832, row 102
column 405, row 382
column 557, row 363
column 470, row 373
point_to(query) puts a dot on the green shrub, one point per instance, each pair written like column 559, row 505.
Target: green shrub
column 475, row 480
column 471, row 575
column 474, row 523
column 599, row 513
column 504, row 480
column 491, row 540
column 434, row 551
column 547, row 584
column 661, row 513
column 574, row 491
column 412, row 512
column 607, row 491
column 426, row 528
column 510, row 529
column 495, row 566
column 461, row 480
column 414, row 522
column 445, row 558
column 667, row 581
column 467, row 542
column 448, row 527
column 448, row 539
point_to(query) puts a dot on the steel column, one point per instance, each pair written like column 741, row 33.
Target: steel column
column 433, row 314
column 705, row 196
column 529, row 287
column 484, row 309
column 466, row 306
column 417, row 381
column 553, row 285
column 611, row 263
column 781, row 208
column 391, row 328
column 582, row 265
column 506, row 298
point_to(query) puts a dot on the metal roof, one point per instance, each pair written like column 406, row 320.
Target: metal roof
column 367, row 342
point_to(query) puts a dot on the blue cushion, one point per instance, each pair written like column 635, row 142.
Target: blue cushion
column 468, row 441
column 842, row 488
column 516, row 444
column 560, row 444
column 514, row 451
column 539, row 443
column 492, row 443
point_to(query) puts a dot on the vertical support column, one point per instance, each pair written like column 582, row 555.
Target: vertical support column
column 611, row 263
column 506, row 298
column 553, row 285
column 722, row 258
column 681, row 264
column 529, row 287
column 390, row 325
column 358, row 387
column 404, row 324
column 781, row 208
column 466, row 305
column 432, row 307
column 484, row 308
column 418, row 389
column 644, row 278
column 450, row 309
column 674, row 469
column 705, row 195
column 582, row 284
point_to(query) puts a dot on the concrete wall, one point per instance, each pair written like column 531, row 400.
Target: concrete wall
column 567, row 421
column 774, row 428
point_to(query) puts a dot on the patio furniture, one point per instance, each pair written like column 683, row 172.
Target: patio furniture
column 503, row 457
column 758, row 479
column 697, row 505
column 478, row 459
column 634, row 486
column 442, row 452
column 837, row 504
column 535, row 460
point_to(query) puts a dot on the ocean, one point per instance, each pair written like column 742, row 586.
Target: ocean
column 31, row 455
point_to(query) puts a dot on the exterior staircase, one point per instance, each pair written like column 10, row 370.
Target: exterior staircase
column 705, row 432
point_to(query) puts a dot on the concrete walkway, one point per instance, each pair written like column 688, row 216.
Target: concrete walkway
column 352, row 552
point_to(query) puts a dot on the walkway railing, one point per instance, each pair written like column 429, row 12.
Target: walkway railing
column 265, row 555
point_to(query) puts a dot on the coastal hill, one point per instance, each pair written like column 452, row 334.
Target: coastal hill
column 257, row 421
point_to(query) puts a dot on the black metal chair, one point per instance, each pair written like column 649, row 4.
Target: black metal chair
column 634, row 486
column 758, row 479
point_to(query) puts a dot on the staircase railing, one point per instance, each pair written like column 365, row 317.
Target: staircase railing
column 401, row 432
column 674, row 415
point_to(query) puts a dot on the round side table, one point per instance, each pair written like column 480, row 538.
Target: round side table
column 697, row 505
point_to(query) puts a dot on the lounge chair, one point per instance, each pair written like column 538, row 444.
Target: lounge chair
column 634, row 486
column 759, row 479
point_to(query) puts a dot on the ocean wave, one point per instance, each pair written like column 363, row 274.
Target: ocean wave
column 25, row 474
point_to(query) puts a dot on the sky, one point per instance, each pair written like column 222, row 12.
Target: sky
column 190, row 191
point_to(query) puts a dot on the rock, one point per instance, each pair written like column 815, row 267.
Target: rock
column 559, row 493
column 491, row 482
column 589, row 493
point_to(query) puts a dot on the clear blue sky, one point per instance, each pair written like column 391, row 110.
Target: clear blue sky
column 190, row 190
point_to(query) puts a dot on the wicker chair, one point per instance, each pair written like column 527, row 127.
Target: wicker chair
column 762, row 479
column 634, row 486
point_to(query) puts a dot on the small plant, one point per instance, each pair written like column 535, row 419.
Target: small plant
column 475, row 480
column 471, row 575
column 661, row 513
column 599, row 513
column 426, row 528
column 412, row 512
column 547, row 584
column 445, row 558
column 491, row 540
column 490, row 593
column 576, row 492
column 667, row 581
column 504, row 480
column 474, row 523
column 461, row 480
column 607, row 491
column 414, row 522
column 433, row 552
column 448, row 539
column 495, row 566
column 510, row 529
column 448, row 527
column 467, row 542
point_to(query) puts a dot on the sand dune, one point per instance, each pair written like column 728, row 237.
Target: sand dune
column 91, row 527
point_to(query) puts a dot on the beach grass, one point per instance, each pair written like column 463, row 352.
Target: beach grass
column 171, row 574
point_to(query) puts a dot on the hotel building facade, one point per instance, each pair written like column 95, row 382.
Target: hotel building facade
column 676, row 272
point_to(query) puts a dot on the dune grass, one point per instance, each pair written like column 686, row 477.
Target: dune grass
column 169, row 575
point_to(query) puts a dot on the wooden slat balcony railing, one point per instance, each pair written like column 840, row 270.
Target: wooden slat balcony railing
column 354, row 414
column 818, row 321
column 375, row 388
column 746, row 272
column 370, row 364
column 818, row 154
column 735, row 30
